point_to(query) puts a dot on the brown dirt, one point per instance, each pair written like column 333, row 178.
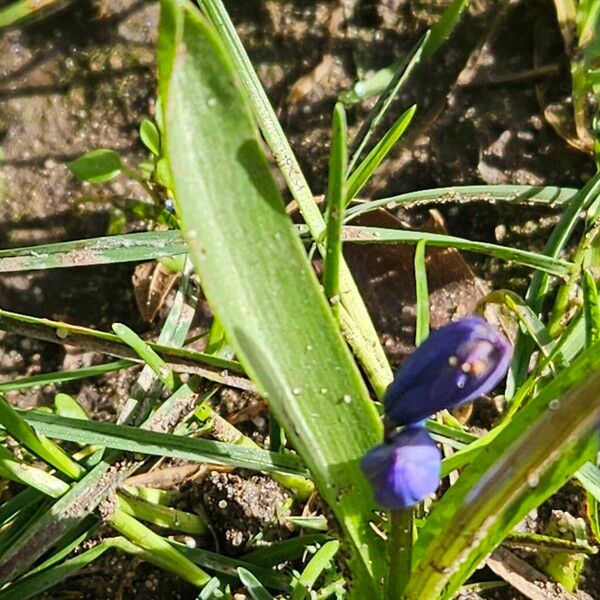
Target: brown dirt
column 85, row 77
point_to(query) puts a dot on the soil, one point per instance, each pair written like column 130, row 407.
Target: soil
column 84, row 78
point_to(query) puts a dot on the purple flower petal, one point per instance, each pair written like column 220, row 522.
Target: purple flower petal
column 404, row 470
column 457, row 363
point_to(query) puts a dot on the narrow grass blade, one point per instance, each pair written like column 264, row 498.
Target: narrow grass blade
column 277, row 320
column 364, row 171
column 366, row 343
column 59, row 377
column 336, row 199
column 21, row 501
column 316, row 565
column 441, row 31
column 286, row 550
column 422, row 294
column 35, row 584
column 21, row 472
column 515, row 194
column 219, row 563
column 530, row 323
column 253, row 585
column 547, row 441
column 381, row 108
column 540, row 282
column 147, row 354
column 113, row 249
column 164, row 554
column 46, row 449
column 17, row 13
column 377, row 235
column 162, row 516
column 591, row 309
column 133, row 439
column 180, row 360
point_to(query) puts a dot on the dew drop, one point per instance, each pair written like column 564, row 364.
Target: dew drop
column 297, row 391
column 347, row 398
column 554, row 404
column 308, row 347
column 61, row 333
column 323, row 390
column 211, row 102
column 533, row 479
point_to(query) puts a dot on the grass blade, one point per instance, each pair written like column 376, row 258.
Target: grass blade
column 422, row 294
column 253, row 585
column 378, row 235
column 180, row 360
column 316, row 565
column 366, row 343
column 591, row 309
column 378, row 112
column 363, row 172
column 95, row 251
column 336, row 198
column 516, row 194
column 133, row 439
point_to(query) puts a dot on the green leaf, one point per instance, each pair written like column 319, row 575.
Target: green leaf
column 422, row 294
column 133, row 439
column 316, row 565
column 150, row 136
column 516, row 194
column 441, row 31
column 97, row 166
column 253, row 585
column 276, row 319
column 67, row 406
column 388, row 81
column 380, row 235
column 336, row 198
column 363, row 172
column 591, row 309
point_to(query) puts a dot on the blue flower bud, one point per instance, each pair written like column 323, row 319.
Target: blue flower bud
column 404, row 470
column 455, row 364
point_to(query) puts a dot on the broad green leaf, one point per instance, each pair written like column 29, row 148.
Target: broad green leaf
column 97, row 166
column 257, row 278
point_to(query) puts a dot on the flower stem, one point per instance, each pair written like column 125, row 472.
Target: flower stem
column 399, row 553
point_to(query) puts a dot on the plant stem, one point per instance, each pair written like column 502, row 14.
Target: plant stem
column 400, row 544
